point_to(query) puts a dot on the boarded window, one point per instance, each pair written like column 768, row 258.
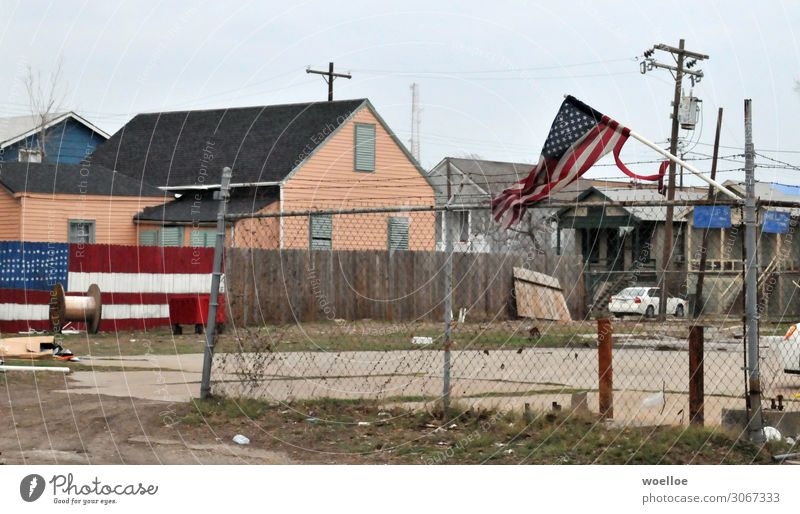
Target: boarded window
column 81, row 231
column 202, row 238
column 148, row 237
column 398, row 233
column 320, row 231
column 365, row 147
column 170, row 236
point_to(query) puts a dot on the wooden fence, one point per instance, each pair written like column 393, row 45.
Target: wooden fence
column 288, row 286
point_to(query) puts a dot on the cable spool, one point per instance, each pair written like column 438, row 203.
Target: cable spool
column 85, row 309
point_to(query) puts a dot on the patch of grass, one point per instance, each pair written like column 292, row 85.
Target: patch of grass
column 365, row 431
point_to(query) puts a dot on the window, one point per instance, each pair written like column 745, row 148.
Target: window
column 461, row 225
column 170, row 236
column 320, row 231
column 148, row 237
column 81, row 231
column 365, row 147
column 30, row 155
column 165, row 236
column 200, row 238
column 398, row 233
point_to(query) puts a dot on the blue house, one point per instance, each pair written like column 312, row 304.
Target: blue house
column 69, row 138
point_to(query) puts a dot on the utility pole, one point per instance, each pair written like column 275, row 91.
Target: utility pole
column 680, row 54
column 698, row 293
column 329, row 76
column 755, row 421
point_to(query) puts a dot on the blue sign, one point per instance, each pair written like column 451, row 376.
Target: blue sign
column 712, row 216
column 776, row 222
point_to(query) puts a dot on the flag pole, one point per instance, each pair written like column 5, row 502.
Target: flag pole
column 681, row 162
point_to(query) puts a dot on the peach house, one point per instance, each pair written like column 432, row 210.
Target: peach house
column 75, row 203
column 285, row 158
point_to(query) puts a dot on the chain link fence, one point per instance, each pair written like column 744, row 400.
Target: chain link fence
column 353, row 304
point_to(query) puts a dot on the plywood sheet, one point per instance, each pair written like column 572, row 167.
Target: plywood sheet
column 539, row 296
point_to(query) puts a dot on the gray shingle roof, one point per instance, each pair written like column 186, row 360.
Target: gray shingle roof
column 261, row 144
column 649, row 213
column 60, row 178
column 200, row 206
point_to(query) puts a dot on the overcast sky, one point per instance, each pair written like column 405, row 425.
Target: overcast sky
column 491, row 74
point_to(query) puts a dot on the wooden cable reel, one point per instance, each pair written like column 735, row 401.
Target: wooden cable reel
column 85, row 309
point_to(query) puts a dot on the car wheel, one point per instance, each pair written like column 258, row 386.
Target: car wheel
column 679, row 311
column 650, row 312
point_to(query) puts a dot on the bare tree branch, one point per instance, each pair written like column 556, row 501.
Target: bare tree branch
column 44, row 100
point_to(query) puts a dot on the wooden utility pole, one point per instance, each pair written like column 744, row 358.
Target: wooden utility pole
column 680, row 54
column 698, row 292
column 329, row 76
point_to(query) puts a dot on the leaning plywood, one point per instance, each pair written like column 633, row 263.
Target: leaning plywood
column 38, row 347
column 539, row 296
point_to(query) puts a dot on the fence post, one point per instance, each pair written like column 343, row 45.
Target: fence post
column 696, row 384
column 448, row 310
column 605, row 368
column 755, row 420
column 213, row 303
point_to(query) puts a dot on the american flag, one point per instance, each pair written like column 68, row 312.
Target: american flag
column 136, row 282
column 578, row 137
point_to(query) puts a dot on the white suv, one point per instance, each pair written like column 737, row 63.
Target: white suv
column 643, row 301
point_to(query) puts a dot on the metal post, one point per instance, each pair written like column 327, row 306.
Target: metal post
column 448, row 310
column 696, row 384
column 605, row 369
column 216, row 275
column 755, row 421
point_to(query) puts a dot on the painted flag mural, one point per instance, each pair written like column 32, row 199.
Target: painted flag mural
column 578, row 138
column 136, row 282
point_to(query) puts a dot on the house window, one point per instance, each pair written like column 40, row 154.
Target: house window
column 321, row 231
column 165, row 236
column 365, row 147
column 398, row 233
column 170, row 236
column 461, row 221
column 203, row 238
column 30, row 155
column 148, row 237
column 81, row 231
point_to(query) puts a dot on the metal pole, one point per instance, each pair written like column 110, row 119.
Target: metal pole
column 681, row 162
column 756, row 421
column 216, row 275
column 448, row 312
column 448, row 299
column 696, row 383
column 605, row 369
column 673, row 149
column 698, row 292
column 330, row 82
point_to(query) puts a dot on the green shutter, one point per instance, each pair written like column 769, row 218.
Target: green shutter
column 320, row 231
column 148, row 237
column 171, row 236
column 365, row 147
column 398, row 233
column 201, row 238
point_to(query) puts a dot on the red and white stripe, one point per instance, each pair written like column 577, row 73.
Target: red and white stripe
column 136, row 283
column 549, row 176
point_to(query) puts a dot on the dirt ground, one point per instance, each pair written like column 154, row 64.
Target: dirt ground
column 39, row 425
